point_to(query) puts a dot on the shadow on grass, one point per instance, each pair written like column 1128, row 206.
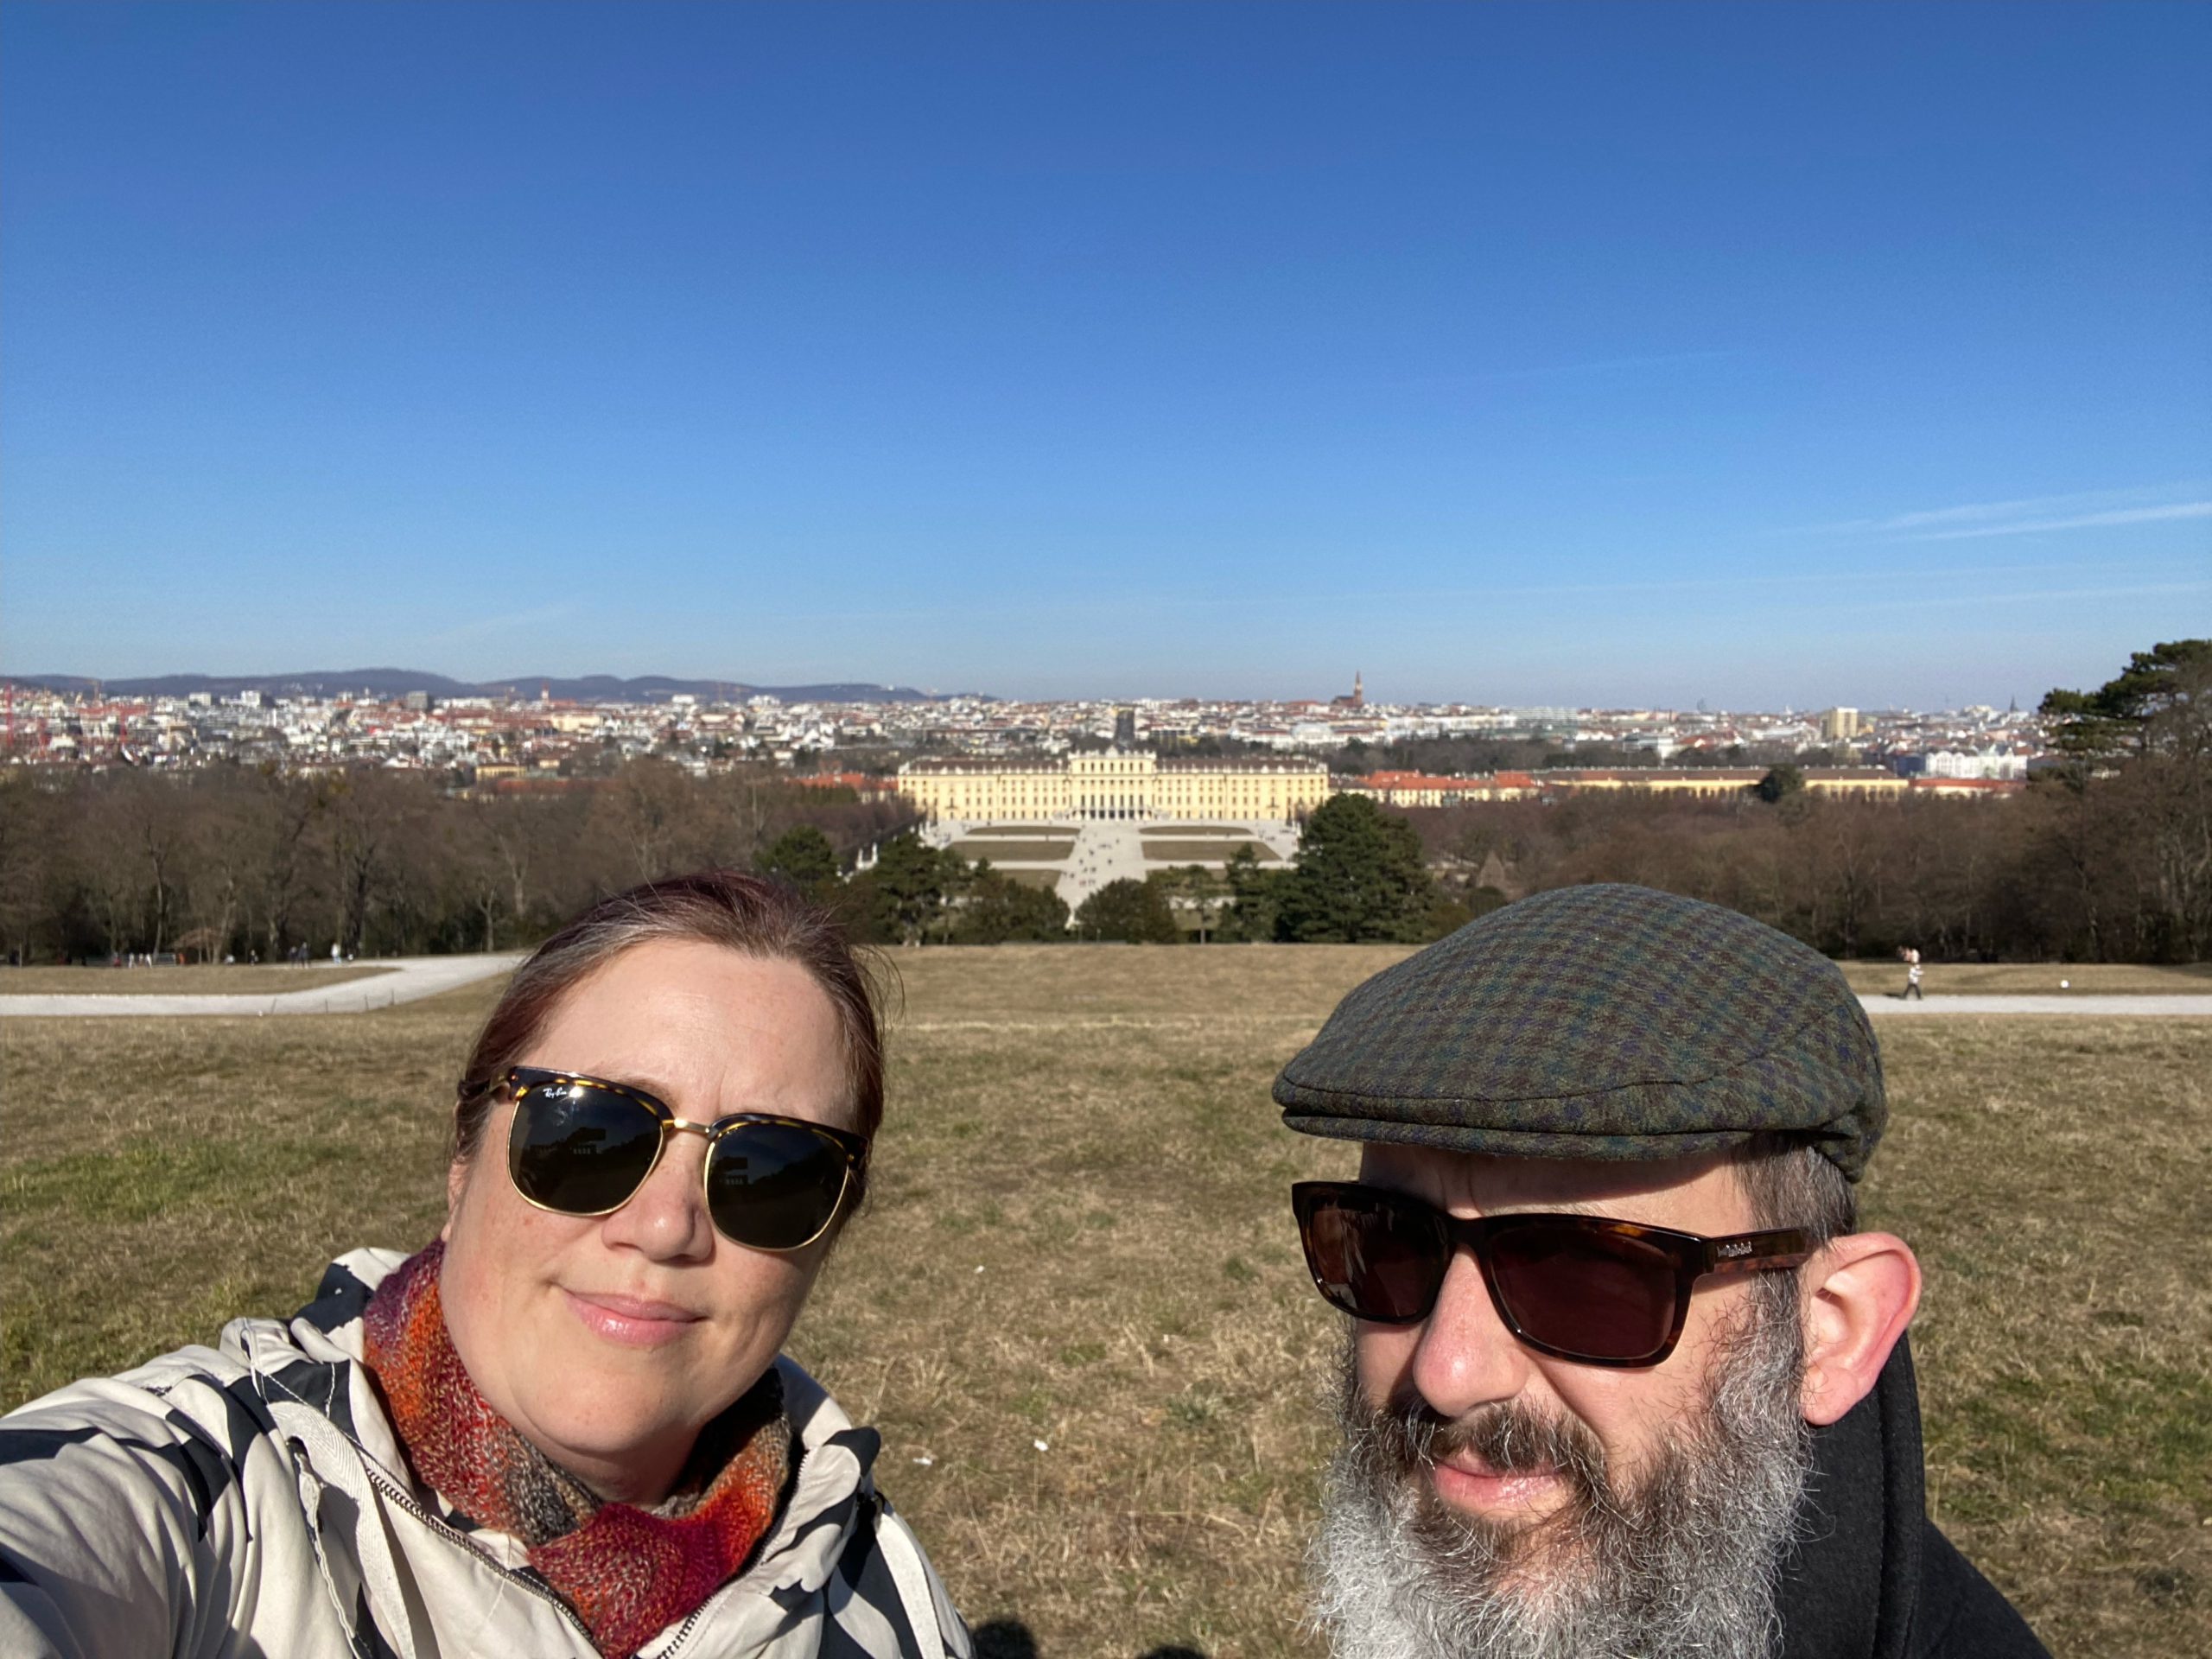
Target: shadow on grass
column 1009, row 1638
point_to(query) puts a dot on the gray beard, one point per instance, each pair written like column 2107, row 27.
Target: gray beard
column 1685, row 1562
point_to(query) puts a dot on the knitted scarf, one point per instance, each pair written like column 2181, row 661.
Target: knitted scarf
column 627, row 1572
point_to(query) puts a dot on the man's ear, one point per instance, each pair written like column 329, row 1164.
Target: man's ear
column 1860, row 1293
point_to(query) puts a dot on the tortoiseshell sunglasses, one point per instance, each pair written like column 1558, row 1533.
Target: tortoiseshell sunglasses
column 583, row 1147
column 1587, row 1288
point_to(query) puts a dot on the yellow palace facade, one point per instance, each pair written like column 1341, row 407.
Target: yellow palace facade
column 1114, row 783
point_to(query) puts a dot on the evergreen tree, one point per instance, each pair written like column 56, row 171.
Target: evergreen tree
column 903, row 900
column 2162, row 702
column 1254, row 896
column 997, row 910
column 1127, row 910
column 1779, row 785
column 1359, row 876
column 803, row 857
column 2138, row 793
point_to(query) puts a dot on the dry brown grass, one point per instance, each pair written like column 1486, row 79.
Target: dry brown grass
column 1090, row 1126
column 2052, row 1176
column 228, row 979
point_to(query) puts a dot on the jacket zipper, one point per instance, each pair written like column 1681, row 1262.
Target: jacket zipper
column 408, row 1501
column 683, row 1631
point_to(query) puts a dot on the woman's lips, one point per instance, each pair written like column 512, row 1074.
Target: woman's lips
column 1466, row 1482
column 631, row 1321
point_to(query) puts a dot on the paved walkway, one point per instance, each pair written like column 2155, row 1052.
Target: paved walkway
column 2068, row 1003
column 410, row 978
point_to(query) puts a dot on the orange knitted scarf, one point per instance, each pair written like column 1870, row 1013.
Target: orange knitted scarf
column 627, row 1572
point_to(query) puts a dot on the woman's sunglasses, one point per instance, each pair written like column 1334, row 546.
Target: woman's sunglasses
column 581, row 1147
column 1582, row 1287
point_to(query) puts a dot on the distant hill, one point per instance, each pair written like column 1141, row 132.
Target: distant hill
column 397, row 681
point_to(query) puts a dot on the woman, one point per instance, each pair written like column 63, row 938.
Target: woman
column 563, row 1427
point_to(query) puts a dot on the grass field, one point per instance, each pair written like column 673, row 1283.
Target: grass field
column 224, row 979
column 1189, row 851
column 998, row 851
column 1079, row 1237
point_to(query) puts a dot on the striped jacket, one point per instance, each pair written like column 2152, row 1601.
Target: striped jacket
column 251, row 1500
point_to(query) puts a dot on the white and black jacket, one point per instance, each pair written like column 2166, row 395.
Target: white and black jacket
column 251, row 1502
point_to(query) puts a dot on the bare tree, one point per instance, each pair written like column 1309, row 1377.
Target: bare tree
column 650, row 813
column 219, row 856
column 30, row 845
column 278, row 814
column 366, row 812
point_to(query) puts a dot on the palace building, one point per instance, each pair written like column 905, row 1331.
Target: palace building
column 1132, row 784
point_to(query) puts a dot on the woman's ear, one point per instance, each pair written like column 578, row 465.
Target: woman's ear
column 457, row 1182
column 1860, row 1292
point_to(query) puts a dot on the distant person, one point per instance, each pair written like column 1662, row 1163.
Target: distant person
column 563, row 1427
column 1622, row 1376
column 1912, row 991
column 336, row 955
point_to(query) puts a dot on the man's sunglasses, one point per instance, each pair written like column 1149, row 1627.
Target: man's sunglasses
column 1582, row 1287
column 581, row 1147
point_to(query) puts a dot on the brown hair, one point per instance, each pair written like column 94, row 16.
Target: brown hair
column 741, row 912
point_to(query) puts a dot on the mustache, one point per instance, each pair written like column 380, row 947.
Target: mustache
column 1510, row 1437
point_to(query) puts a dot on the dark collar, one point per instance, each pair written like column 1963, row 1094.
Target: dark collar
column 1850, row 1588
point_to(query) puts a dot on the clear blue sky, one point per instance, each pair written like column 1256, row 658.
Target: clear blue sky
column 1760, row 354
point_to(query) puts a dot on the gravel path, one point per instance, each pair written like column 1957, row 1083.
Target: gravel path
column 2059, row 1002
column 410, row 978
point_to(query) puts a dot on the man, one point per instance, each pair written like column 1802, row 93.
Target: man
column 1623, row 1378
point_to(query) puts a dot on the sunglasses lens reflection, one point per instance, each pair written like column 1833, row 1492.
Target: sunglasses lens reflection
column 579, row 1149
column 1595, row 1294
column 774, row 1185
column 1374, row 1259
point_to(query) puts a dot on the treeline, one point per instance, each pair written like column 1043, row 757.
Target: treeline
column 2106, row 859
column 247, row 863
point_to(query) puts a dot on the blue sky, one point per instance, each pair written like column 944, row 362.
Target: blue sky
column 1569, row 354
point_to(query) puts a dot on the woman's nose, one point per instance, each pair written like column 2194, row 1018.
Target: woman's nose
column 666, row 1217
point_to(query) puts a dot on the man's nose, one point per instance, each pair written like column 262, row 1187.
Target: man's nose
column 1465, row 1357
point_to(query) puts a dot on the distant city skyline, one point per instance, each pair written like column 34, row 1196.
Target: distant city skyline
column 1597, row 356
column 387, row 682
column 572, row 730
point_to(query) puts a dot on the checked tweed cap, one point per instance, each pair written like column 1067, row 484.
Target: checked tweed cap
column 1610, row 1022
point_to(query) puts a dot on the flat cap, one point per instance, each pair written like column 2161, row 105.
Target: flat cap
column 1610, row 1022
